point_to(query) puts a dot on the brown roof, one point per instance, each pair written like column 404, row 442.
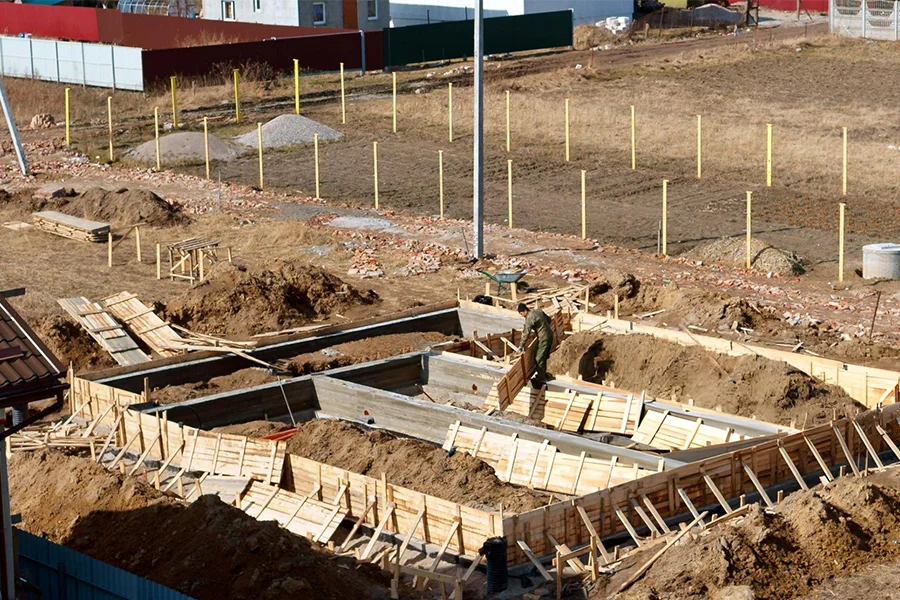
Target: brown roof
column 25, row 362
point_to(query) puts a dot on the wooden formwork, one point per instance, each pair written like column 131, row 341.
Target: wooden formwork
column 868, row 386
column 715, row 481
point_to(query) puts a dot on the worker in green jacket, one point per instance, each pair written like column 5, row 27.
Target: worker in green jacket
column 537, row 321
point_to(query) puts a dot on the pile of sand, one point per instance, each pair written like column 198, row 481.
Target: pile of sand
column 811, row 537
column 412, row 464
column 288, row 130
column 184, row 148
column 207, row 550
column 732, row 252
column 772, row 391
column 237, row 300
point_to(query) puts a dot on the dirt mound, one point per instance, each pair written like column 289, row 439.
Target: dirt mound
column 732, row 252
column 237, row 300
column 124, row 207
column 769, row 390
column 207, row 550
column 72, row 344
column 412, row 464
column 811, row 537
column 252, row 428
column 184, row 148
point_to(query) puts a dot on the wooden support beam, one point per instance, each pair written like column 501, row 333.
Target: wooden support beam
column 845, row 449
column 865, row 440
column 723, row 502
column 792, row 466
column 440, row 554
column 358, row 524
column 757, row 485
column 627, row 524
column 819, row 459
column 563, row 549
column 378, row 530
column 655, row 513
column 124, row 449
column 687, row 501
column 887, row 439
column 144, row 455
column 412, row 532
column 109, row 439
column 534, row 560
column 647, row 521
column 593, row 532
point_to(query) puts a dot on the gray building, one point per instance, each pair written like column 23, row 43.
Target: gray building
column 342, row 14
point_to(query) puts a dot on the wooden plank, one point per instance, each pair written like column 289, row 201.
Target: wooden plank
column 865, row 440
column 440, row 554
column 849, row 456
column 687, row 500
column 627, row 524
column 377, row 533
column 792, row 466
column 412, row 531
column 818, row 457
column 655, row 513
column 884, row 435
column 757, row 485
column 534, row 560
column 564, row 549
column 362, row 518
column 723, row 502
column 593, row 532
column 643, row 516
column 105, row 330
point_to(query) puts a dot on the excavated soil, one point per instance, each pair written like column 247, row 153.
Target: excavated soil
column 342, row 355
column 122, row 207
column 769, row 390
column 732, row 252
column 810, row 538
column 72, row 344
column 412, row 464
column 252, row 428
column 207, row 550
column 235, row 300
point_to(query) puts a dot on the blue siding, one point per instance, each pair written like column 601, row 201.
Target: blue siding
column 52, row 567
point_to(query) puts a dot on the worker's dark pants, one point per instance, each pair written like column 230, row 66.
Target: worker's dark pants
column 540, row 360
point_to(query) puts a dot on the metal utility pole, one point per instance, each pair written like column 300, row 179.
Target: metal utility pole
column 478, row 196
column 13, row 131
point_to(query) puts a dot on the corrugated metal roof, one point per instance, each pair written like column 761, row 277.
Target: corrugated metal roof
column 35, row 365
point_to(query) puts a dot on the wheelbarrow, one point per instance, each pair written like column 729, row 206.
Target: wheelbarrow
column 504, row 279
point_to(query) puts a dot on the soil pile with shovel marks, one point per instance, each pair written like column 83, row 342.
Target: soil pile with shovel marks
column 242, row 301
column 749, row 386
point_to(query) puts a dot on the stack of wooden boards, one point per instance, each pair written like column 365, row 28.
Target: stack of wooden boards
column 671, row 431
column 540, row 465
column 71, row 227
column 143, row 323
column 105, row 330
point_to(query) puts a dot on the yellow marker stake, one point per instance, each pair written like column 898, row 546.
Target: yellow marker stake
column 316, row 147
column 343, row 104
column 509, row 192
column 665, row 217
column 172, row 83
column 450, row 106
column 375, row 162
column 749, row 226
column 206, row 144
column 768, row 156
column 567, row 130
column 699, row 147
column 844, row 180
column 296, row 86
column 441, row 179
column 156, row 128
column 583, row 206
column 237, row 95
column 395, row 101
column 68, row 140
column 259, row 144
column 507, row 121
column 841, row 244
column 109, row 119
column 633, row 155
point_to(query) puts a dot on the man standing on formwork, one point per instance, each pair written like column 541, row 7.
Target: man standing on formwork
column 537, row 321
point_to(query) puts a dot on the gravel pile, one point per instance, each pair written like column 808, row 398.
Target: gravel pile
column 289, row 130
column 184, row 148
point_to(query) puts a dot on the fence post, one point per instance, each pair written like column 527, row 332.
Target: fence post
column 865, row 16
column 362, row 43
column 112, row 62
column 896, row 24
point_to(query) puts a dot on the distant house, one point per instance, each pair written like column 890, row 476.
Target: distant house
column 340, row 14
column 418, row 12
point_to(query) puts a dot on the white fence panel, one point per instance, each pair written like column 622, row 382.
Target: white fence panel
column 71, row 62
column 43, row 60
column 129, row 68
column 872, row 19
column 98, row 65
column 17, row 57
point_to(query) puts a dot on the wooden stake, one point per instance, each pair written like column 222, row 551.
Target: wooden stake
column 841, row 242
column 137, row 241
column 844, row 179
column 109, row 119
column 158, row 262
column 749, row 226
column 206, row 144
column 316, row 150
column 394, row 74
column 68, row 120
column 768, row 155
column 665, row 214
column 567, row 130
column 441, row 179
column 507, row 121
column 343, row 103
column 633, row 152
column 109, row 246
column 173, row 84
column 259, row 144
column 156, row 129
column 450, row 109
column 236, row 74
column 296, row 86
column 375, row 162
column 509, row 218
column 583, row 206
column 699, row 147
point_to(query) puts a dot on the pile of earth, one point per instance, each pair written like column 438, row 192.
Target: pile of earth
column 119, row 208
column 813, row 537
column 184, row 148
column 237, row 300
column 207, row 550
column 732, row 252
column 70, row 343
column 288, row 130
column 769, row 390
column 412, row 464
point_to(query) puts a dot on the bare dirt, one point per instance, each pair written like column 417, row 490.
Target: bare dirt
column 341, row 355
column 754, row 386
column 207, row 550
column 120, row 207
column 70, row 343
column 237, row 300
column 412, row 464
column 252, row 428
column 806, row 541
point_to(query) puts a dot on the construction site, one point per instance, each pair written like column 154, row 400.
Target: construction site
column 250, row 347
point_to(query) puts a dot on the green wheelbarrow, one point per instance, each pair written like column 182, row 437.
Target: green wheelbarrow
column 504, row 279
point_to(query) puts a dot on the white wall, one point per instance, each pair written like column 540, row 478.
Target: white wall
column 584, row 11
column 417, row 12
